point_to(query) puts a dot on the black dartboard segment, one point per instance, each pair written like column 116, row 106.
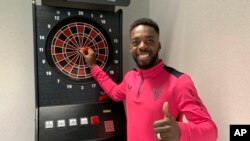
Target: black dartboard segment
column 64, row 44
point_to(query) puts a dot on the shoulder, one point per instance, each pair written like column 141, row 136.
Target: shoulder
column 185, row 82
column 182, row 79
column 173, row 71
column 131, row 73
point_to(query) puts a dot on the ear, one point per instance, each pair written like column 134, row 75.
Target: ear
column 159, row 47
column 130, row 49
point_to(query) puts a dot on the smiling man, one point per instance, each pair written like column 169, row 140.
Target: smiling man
column 145, row 45
column 156, row 95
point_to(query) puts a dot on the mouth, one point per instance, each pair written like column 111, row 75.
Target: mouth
column 143, row 56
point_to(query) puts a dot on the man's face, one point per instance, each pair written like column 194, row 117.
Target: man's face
column 144, row 46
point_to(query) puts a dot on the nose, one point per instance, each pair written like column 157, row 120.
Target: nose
column 142, row 45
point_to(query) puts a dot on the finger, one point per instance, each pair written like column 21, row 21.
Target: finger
column 165, row 109
column 162, row 129
column 161, row 122
column 90, row 50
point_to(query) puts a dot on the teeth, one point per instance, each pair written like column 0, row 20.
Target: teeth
column 143, row 55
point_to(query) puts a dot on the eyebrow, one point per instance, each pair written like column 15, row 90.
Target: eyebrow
column 147, row 37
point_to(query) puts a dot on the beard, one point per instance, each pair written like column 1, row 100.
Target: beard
column 146, row 64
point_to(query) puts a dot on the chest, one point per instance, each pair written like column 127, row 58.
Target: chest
column 149, row 94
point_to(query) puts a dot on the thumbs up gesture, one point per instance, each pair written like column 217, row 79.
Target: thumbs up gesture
column 167, row 128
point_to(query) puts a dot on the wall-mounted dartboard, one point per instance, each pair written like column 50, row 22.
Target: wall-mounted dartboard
column 71, row 106
column 65, row 42
column 63, row 75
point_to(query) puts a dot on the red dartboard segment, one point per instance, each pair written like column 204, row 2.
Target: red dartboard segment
column 66, row 41
column 67, row 32
column 93, row 33
column 59, row 43
column 80, row 29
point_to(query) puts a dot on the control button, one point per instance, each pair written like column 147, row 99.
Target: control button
column 109, row 126
column 49, row 124
column 61, row 123
column 72, row 122
column 95, row 120
column 84, row 121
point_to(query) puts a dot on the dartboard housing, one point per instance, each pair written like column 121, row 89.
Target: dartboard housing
column 67, row 96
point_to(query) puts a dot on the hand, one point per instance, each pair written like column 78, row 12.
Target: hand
column 167, row 127
column 89, row 56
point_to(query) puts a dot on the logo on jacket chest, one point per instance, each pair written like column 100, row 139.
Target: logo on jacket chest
column 157, row 92
column 130, row 86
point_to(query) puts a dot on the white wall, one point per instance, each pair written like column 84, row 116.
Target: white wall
column 210, row 39
column 17, row 91
column 136, row 9
column 17, row 88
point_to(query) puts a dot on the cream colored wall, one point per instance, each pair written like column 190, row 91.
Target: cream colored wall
column 210, row 39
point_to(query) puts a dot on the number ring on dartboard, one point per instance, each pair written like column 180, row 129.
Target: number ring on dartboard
column 67, row 38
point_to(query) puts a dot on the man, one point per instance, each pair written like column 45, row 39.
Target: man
column 156, row 96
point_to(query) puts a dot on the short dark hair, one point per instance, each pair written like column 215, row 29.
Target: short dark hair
column 145, row 21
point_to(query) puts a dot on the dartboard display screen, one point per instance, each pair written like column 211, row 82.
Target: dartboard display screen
column 64, row 44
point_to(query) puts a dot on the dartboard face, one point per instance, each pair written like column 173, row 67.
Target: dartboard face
column 66, row 40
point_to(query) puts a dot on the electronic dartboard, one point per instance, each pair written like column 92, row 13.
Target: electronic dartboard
column 70, row 104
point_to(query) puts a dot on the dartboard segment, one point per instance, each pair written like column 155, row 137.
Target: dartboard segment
column 65, row 43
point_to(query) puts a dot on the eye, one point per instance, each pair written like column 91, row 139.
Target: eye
column 135, row 42
column 149, row 41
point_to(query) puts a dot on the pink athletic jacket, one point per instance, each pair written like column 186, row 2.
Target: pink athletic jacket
column 145, row 91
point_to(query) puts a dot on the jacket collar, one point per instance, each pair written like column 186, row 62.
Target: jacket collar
column 152, row 72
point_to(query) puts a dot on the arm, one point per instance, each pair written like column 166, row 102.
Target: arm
column 116, row 92
column 200, row 125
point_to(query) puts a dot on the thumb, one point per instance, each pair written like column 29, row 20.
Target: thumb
column 166, row 110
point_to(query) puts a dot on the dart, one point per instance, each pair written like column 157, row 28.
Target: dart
column 84, row 50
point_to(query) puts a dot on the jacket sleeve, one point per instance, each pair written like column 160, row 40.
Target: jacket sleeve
column 113, row 90
column 199, row 125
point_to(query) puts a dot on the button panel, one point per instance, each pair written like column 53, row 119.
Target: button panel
column 82, row 122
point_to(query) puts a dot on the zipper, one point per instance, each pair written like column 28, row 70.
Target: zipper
column 142, row 80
